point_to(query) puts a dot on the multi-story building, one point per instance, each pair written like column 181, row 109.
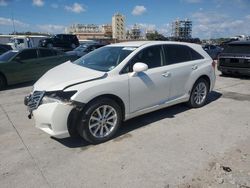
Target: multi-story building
column 118, row 27
column 182, row 29
column 91, row 31
column 134, row 33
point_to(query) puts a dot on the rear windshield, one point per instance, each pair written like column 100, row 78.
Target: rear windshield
column 237, row 48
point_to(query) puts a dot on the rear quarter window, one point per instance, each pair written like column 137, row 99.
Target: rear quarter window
column 180, row 53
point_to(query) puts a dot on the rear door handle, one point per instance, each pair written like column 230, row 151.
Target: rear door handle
column 194, row 67
column 166, row 74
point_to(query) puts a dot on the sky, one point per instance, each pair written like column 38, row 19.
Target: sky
column 211, row 18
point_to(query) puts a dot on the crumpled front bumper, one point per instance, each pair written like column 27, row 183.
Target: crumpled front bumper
column 52, row 118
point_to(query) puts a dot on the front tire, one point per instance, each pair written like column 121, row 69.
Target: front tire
column 100, row 120
column 199, row 93
column 2, row 82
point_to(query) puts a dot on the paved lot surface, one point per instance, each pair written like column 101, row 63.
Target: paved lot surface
column 173, row 147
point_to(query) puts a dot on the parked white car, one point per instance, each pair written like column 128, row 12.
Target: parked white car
column 93, row 95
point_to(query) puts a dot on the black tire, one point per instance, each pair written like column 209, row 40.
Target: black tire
column 2, row 82
column 83, row 127
column 193, row 103
column 225, row 73
column 49, row 45
column 73, row 46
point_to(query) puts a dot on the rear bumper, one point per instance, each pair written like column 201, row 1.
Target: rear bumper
column 233, row 70
column 52, row 118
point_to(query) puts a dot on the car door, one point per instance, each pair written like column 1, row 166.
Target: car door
column 23, row 66
column 149, row 88
column 181, row 61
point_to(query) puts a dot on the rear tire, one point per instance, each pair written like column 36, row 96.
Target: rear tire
column 199, row 94
column 100, row 120
column 2, row 82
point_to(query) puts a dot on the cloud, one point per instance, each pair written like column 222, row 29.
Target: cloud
column 54, row 5
column 76, row 8
column 139, row 10
column 9, row 22
column 3, row 3
column 51, row 28
column 207, row 25
column 38, row 3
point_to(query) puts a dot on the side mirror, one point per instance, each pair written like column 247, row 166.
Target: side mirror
column 140, row 67
column 18, row 59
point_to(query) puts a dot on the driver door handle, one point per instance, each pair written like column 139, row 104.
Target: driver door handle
column 194, row 67
column 166, row 74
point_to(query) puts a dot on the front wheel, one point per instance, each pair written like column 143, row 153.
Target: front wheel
column 2, row 82
column 100, row 121
column 199, row 94
column 73, row 46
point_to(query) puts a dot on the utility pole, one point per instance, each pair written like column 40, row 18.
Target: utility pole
column 13, row 23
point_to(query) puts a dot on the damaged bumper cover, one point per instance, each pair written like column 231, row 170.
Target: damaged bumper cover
column 51, row 111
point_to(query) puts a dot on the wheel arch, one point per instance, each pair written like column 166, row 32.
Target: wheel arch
column 203, row 76
column 115, row 98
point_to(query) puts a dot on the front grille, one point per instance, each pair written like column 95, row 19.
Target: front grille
column 35, row 99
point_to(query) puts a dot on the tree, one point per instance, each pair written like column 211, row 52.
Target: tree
column 155, row 36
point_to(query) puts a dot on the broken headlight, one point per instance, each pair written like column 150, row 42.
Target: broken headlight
column 57, row 96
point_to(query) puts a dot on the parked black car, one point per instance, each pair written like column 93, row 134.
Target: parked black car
column 83, row 49
column 4, row 48
column 213, row 50
column 61, row 41
column 235, row 58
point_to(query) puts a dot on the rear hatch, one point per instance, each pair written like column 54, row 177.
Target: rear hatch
column 235, row 55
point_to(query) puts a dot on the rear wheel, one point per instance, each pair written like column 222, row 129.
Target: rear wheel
column 2, row 82
column 199, row 93
column 100, row 121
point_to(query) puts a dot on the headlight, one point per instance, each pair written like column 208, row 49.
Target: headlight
column 47, row 100
column 57, row 96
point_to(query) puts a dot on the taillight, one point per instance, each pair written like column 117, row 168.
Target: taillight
column 213, row 64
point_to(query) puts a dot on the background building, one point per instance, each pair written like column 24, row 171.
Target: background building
column 118, row 27
column 90, row 31
column 182, row 29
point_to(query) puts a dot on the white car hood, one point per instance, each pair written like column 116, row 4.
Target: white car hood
column 65, row 75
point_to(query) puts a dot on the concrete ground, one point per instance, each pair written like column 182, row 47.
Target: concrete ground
column 173, row 147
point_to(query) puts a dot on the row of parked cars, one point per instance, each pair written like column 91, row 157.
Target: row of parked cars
column 22, row 65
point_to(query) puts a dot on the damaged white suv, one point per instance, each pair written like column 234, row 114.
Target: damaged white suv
column 93, row 95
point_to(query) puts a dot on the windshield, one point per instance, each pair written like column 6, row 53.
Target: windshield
column 80, row 48
column 7, row 55
column 104, row 59
column 239, row 48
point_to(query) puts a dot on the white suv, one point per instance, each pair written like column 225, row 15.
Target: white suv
column 93, row 95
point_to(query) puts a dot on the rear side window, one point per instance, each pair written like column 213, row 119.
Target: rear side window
column 28, row 54
column 47, row 53
column 180, row 53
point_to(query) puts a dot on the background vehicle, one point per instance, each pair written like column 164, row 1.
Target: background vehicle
column 24, row 65
column 21, row 42
column 235, row 58
column 83, row 49
column 4, row 48
column 60, row 40
column 213, row 50
column 118, row 82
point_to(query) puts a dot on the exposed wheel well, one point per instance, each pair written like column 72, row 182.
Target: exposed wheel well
column 117, row 99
